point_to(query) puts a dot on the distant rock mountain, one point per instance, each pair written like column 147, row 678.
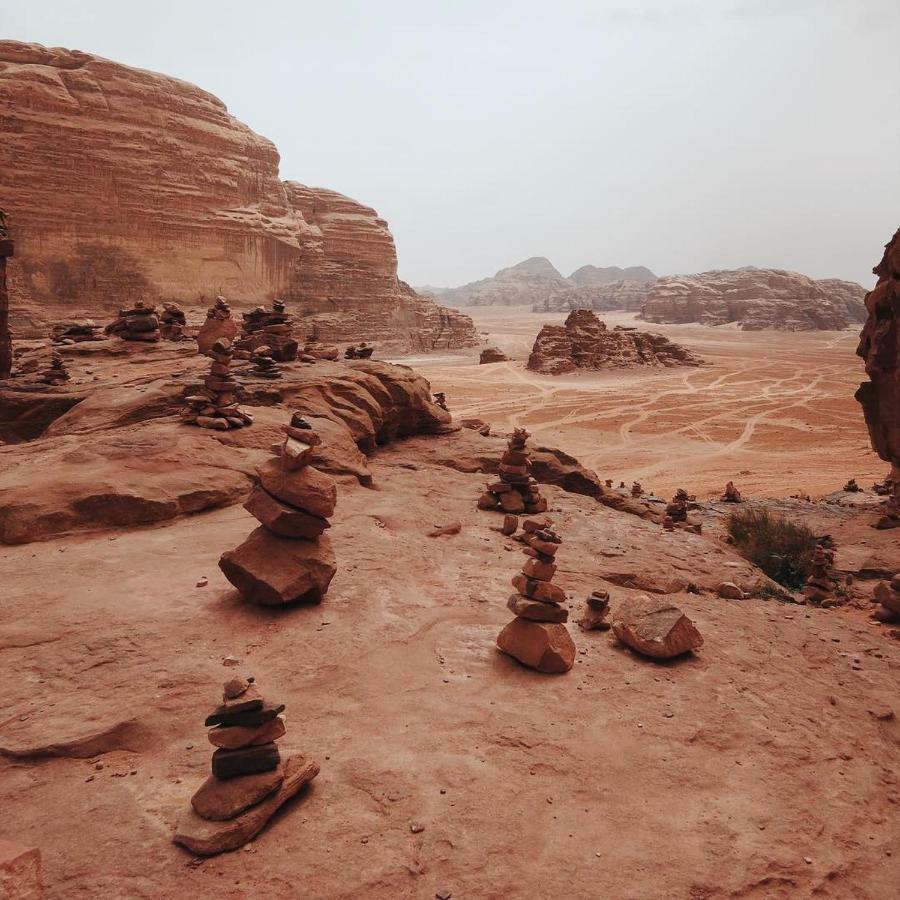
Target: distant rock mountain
column 756, row 299
column 538, row 283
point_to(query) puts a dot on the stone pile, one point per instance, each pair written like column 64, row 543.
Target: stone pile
column 172, row 322
column 852, row 487
column 288, row 559
column 359, row 351
column 269, row 328
column 636, row 489
column 731, row 494
column 677, row 509
column 887, row 594
column 263, row 364
column 140, row 323
column 596, row 610
column 514, row 491
column 820, row 586
column 76, row 333
column 219, row 325
column 249, row 779
column 213, row 405
column 56, row 372
column 538, row 637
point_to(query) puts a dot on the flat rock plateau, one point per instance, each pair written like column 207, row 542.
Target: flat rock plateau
column 761, row 766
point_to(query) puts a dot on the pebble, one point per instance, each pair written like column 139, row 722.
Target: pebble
column 416, row 828
column 443, row 894
column 231, row 661
column 203, row 582
column 807, row 860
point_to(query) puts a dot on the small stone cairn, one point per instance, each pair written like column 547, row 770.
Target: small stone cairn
column 596, row 609
column 56, row 372
column 538, row 637
column 887, row 595
column 514, row 491
column 288, row 559
column 677, row 508
column 636, row 489
column 263, row 366
column 359, row 351
column 172, row 322
column 219, row 325
column 213, row 406
column 852, row 487
column 140, row 323
column 269, row 328
column 440, row 399
column 731, row 494
column 76, row 333
column 821, row 585
column 250, row 780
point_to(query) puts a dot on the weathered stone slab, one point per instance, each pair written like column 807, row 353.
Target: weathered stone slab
column 218, row 799
column 655, row 627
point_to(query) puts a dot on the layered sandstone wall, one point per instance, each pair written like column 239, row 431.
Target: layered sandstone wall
column 125, row 184
column 756, row 299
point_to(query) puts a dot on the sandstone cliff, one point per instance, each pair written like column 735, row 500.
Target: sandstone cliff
column 125, row 184
column 756, row 299
column 584, row 342
column 536, row 282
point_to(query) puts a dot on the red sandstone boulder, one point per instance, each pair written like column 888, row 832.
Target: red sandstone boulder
column 216, row 799
column 544, row 646
column 308, row 489
column 655, row 627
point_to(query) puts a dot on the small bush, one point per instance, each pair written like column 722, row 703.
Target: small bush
column 780, row 548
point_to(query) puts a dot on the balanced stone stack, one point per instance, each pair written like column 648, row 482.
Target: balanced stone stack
column 249, row 779
column 172, row 322
column 440, row 399
column 677, row 509
column 269, row 328
column 140, row 323
column 263, row 364
column 359, row 351
column 56, row 372
column 538, row 637
column 213, row 405
column 820, row 586
column 514, row 491
column 636, row 489
column 219, row 325
column 288, row 559
column 596, row 610
column 76, row 333
column 887, row 595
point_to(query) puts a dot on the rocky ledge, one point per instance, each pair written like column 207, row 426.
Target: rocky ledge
column 584, row 342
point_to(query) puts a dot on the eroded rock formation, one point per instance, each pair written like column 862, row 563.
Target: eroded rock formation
column 756, row 299
column 584, row 342
column 129, row 185
column 879, row 346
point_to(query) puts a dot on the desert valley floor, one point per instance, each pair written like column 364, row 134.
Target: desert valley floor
column 763, row 766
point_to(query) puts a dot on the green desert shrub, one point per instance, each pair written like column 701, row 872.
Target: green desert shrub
column 780, row 548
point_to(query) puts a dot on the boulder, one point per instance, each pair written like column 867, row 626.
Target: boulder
column 217, row 799
column 274, row 571
column 492, row 355
column 728, row 590
column 655, row 627
column 544, row 646
column 282, row 519
column 307, row 488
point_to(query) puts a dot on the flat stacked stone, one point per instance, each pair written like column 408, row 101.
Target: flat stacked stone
column 248, row 772
column 269, row 328
column 821, row 585
column 514, row 491
column 288, row 559
column 139, row 323
column 213, row 405
column 56, row 372
column 263, row 364
column 887, row 595
column 538, row 637
column 361, row 350
column 172, row 322
column 76, row 333
column 219, row 325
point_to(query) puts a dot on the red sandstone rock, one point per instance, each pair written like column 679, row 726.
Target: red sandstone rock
column 20, row 872
column 234, row 736
column 283, row 519
column 544, row 646
column 308, row 489
column 655, row 627
column 217, row 800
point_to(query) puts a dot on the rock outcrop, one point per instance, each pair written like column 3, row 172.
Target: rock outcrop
column 536, row 282
column 127, row 185
column 584, row 342
column 756, row 299
column 879, row 346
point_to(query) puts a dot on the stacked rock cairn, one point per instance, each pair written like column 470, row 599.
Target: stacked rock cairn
column 172, row 322
column 249, row 779
column 887, row 594
column 731, row 494
column 361, row 350
column 596, row 609
column 820, row 586
column 288, row 559
column 219, row 325
column 538, row 637
column 76, row 333
column 56, row 372
column 140, row 323
column 263, row 365
column 213, row 405
column 514, row 491
column 269, row 328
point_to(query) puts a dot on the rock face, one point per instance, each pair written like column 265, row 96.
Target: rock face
column 127, row 185
column 879, row 346
column 538, row 283
column 584, row 342
column 756, row 299
column 6, row 250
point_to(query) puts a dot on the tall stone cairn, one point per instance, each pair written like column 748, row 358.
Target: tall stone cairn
column 137, row 323
column 514, row 491
column 821, row 584
column 538, row 637
column 887, row 596
column 288, row 559
column 879, row 346
column 219, row 325
column 269, row 328
column 7, row 248
column 213, row 405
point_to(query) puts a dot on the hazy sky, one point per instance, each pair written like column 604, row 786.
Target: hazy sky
column 680, row 136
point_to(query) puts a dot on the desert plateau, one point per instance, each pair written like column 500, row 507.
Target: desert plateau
column 315, row 584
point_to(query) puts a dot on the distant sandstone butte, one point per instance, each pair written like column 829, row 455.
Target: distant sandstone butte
column 756, row 299
column 537, row 283
column 123, row 184
column 584, row 342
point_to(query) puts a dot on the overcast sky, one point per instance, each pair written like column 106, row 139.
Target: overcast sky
column 680, row 136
